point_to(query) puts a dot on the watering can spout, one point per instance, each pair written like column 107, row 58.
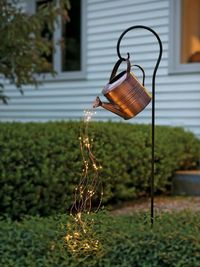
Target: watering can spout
column 110, row 107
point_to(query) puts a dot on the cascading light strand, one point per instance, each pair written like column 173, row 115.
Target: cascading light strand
column 87, row 196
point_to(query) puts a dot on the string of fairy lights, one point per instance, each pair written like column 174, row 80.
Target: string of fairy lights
column 87, row 196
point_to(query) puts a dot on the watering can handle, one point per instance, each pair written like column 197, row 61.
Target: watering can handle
column 114, row 71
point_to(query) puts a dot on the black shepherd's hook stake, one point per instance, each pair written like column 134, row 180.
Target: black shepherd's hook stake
column 153, row 103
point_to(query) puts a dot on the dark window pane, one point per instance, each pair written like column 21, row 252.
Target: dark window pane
column 71, row 34
column 47, row 35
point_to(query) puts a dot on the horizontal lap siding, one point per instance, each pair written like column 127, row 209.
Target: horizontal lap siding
column 177, row 96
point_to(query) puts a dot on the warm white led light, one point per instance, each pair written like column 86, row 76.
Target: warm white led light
column 88, row 189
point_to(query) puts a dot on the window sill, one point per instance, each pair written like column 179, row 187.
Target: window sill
column 64, row 76
column 190, row 68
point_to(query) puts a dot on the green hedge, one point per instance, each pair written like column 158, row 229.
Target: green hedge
column 40, row 164
column 125, row 241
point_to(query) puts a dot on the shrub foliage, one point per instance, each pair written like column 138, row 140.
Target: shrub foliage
column 126, row 241
column 40, row 164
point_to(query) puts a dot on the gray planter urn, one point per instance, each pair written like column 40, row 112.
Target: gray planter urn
column 186, row 183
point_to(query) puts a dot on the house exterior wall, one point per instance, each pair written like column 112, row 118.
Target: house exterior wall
column 177, row 96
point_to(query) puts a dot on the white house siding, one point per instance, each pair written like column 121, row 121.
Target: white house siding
column 177, row 96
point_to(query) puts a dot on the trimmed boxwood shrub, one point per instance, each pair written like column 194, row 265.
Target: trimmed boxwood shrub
column 40, row 164
column 126, row 241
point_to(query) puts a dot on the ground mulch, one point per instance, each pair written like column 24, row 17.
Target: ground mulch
column 161, row 204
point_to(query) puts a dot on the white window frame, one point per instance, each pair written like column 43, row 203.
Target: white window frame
column 175, row 65
column 57, row 55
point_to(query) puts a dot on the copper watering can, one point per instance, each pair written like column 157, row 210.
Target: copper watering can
column 126, row 95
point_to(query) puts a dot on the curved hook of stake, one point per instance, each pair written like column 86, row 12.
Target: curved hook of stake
column 143, row 72
column 160, row 45
column 153, row 104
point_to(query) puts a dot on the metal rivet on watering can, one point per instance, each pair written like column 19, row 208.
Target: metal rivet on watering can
column 127, row 96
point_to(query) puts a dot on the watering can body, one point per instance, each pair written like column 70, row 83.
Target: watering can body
column 126, row 95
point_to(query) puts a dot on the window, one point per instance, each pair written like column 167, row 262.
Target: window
column 68, row 59
column 184, row 50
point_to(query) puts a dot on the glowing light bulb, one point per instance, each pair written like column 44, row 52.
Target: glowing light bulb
column 79, row 215
column 68, row 237
column 76, row 234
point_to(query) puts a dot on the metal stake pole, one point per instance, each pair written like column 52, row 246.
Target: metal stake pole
column 153, row 106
